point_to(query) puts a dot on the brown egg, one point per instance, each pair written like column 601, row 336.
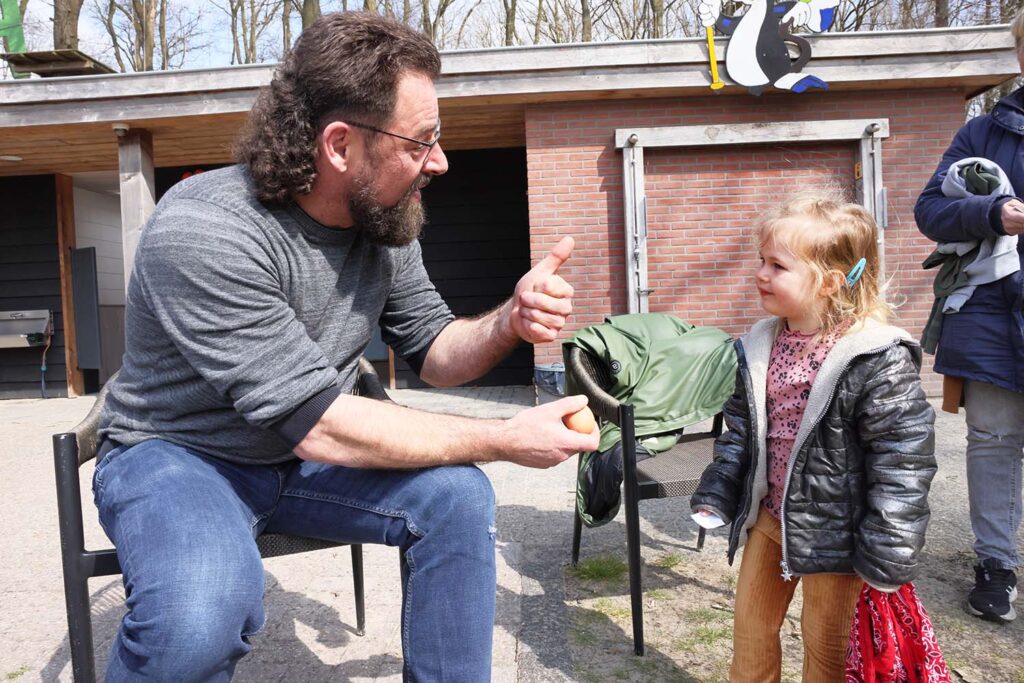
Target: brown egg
column 582, row 421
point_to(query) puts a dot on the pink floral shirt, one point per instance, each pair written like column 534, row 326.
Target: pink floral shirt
column 792, row 367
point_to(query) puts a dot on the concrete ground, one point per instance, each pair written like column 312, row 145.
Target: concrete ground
column 552, row 624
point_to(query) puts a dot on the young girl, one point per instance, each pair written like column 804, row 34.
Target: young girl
column 825, row 466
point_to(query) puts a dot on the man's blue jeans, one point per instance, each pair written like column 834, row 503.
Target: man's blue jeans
column 185, row 525
column 995, row 449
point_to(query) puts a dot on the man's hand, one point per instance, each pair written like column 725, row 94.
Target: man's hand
column 543, row 300
column 1013, row 217
column 537, row 437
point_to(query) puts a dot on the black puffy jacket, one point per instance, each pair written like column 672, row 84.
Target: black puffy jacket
column 856, row 499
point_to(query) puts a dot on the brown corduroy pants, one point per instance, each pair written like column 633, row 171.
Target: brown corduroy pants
column 762, row 598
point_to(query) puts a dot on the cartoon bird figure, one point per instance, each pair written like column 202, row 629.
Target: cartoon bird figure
column 757, row 55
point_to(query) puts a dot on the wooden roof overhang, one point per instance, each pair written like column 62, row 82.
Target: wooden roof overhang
column 63, row 125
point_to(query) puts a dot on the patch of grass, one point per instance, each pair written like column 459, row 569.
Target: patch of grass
column 584, row 674
column 621, row 675
column 668, row 561
column 609, row 608
column 17, row 673
column 601, row 568
column 705, row 635
column 705, row 614
column 582, row 636
column 730, row 582
column 589, row 617
column 658, row 594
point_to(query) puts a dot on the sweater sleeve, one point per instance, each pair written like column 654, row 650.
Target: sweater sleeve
column 208, row 278
column 957, row 219
column 414, row 313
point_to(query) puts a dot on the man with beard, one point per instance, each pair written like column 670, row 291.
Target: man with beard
column 255, row 290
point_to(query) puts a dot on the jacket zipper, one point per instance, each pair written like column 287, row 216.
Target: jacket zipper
column 788, row 575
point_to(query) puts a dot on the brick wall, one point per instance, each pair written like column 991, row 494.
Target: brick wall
column 703, row 202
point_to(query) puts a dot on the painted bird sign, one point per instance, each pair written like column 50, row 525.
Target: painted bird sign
column 762, row 38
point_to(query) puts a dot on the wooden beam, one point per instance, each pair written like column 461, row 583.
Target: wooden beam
column 65, row 243
column 138, row 190
column 750, row 133
column 963, row 57
column 940, row 46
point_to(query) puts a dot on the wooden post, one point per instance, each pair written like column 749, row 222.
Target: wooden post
column 65, row 243
column 138, row 189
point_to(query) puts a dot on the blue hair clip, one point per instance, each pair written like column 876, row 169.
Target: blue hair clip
column 856, row 272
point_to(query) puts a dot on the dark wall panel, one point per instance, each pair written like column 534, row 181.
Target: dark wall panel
column 30, row 279
column 476, row 244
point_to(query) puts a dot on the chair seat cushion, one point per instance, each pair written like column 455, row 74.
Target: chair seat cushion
column 677, row 471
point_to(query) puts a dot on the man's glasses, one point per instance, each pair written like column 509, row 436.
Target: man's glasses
column 424, row 144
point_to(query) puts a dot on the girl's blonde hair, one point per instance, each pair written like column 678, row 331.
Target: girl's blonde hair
column 1017, row 27
column 831, row 236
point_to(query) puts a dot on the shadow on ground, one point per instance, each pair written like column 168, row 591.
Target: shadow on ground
column 279, row 652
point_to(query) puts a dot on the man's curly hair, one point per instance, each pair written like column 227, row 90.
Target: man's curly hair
column 346, row 64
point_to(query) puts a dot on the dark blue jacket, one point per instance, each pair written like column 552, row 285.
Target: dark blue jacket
column 985, row 340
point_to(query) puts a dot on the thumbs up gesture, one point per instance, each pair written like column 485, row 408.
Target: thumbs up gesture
column 543, row 300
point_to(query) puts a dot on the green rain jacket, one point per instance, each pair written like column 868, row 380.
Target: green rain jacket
column 674, row 374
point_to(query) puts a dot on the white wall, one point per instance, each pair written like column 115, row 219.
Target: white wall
column 98, row 224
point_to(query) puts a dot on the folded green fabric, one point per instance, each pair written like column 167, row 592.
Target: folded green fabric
column 978, row 180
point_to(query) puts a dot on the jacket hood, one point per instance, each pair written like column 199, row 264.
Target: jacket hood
column 1009, row 112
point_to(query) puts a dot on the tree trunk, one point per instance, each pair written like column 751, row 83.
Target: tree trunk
column 165, row 53
column 510, row 22
column 150, row 33
column 310, row 12
column 65, row 23
column 425, row 23
column 286, row 26
column 941, row 13
column 538, row 22
column 657, row 19
column 588, row 21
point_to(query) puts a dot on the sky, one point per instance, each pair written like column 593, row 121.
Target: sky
column 94, row 41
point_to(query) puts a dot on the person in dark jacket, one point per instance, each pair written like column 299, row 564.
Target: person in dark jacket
column 826, row 464
column 983, row 345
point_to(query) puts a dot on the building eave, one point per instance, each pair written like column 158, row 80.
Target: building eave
column 973, row 58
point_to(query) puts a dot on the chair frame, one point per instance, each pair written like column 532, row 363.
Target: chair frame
column 592, row 380
column 73, row 449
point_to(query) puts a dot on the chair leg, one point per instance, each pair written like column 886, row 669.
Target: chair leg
column 76, row 593
column 357, row 581
column 700, row 539
column 577, row 530
column 72, row 544
column 631, row 492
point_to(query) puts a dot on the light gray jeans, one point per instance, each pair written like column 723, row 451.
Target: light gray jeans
column 995, row 449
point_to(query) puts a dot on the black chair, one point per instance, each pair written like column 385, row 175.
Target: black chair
column 73, row 449
column 675, row 472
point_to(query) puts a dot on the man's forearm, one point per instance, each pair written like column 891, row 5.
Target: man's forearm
column 361, row 432
column 364, row 433
column 469, row 347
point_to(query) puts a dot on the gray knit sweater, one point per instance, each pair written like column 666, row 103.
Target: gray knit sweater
column 239, row 313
